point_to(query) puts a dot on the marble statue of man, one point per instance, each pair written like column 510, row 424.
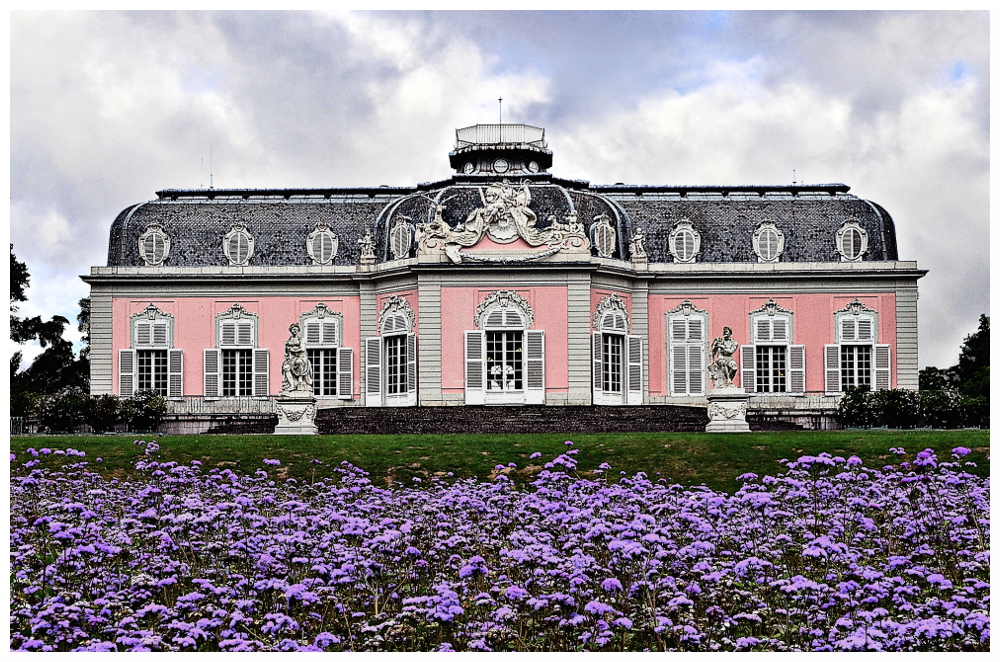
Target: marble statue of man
column 723, row 367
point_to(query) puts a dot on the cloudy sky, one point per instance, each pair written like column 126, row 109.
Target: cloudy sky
column 107, row 108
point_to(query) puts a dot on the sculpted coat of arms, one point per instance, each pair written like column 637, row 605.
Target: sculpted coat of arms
column 504, row 216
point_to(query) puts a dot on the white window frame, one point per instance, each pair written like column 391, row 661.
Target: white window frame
column 611, row 322
column 504, row 311
column 396, row 326
column 151, row 330
column 681, row 228
column 851, row 226
column 236, row 329
column 773, row 326
column 322, row 330
column 768, row 226
column 237, row 229
column 856, row 325
column 315, row 253
column 153, row 231
column 687, row 339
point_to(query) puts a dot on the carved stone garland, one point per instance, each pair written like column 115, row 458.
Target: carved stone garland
column 396, row 305
column 612, row 302
column 686, row 308
column 855, row 307
column 504, row 299
column 770, row 308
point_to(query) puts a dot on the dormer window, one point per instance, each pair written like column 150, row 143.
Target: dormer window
column 322, row 244
column 238, row 245
column 852, row 241
column 154, row 246
column 685, row 242
column 768, row 242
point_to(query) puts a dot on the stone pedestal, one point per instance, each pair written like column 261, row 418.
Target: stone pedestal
column 727, row 410
column 296, row 414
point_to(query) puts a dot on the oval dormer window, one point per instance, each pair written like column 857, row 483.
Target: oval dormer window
column 238, row 245
column 768, row 242
column 685, row 242
column 852, row 241
column 322, row 244
column 154, row 246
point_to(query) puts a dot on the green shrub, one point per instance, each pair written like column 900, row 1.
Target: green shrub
column 854, row 410
column 896, row 408
column 941, row 409
column 148, row 410
column 104, row 412
column 975, row 411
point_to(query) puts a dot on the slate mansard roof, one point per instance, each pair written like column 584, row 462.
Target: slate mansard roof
column 280, row 220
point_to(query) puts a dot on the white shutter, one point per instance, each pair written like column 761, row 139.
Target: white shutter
column 748, row 368
column 261, row 372
column 329, row 333
column 763, row 330
column 831, row 368
column 126, row 373
column 696, row 369
column 597, row 356
column 345, row 373
column 143, row 334
column 212, row 369
column 779, row 330
column 228, row 333
column 160, row 334
column 313, row 337
column 883, row 377
column 475, row 367
column 634, row 377
column 848, row 329
column 866, row 329
column 679, row 369
column 373, row 372
column 534, row 368
column 797, row 369
column 175, row 373
column 411, row 370
column 244, row 334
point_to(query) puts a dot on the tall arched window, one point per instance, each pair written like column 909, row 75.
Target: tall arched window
column 616, row 355
column 391, row 357
column 505, row 358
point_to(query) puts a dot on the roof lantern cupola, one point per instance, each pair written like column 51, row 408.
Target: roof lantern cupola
column 500, row 151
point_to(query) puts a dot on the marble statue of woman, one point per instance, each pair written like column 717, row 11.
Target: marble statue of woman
column 296, row 370
column 723, row 367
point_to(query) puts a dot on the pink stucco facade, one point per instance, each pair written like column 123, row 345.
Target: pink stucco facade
column 194, row 329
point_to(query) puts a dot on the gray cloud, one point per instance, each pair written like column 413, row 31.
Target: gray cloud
column 108, row 107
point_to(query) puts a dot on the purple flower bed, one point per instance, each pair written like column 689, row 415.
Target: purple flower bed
column 830, row 555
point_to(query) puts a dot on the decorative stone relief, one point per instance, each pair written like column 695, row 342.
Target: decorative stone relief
column 152, row 313
column 768, row 242
column 686, row 308
column 603, row 236
column 609, row 303
column 727, row 411
column 770, row 308
column 852, row 241
column 322, row 244
column 504, row 299
column 855, row 307
column 238, row 245
column 504, row 216
column 396, row 305
column 684, row 242
column 151, row 327
column 154, row 245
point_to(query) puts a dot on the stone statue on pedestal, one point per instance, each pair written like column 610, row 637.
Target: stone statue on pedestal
column 296, row 404
column 727, row 403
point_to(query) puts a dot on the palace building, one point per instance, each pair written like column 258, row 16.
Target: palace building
column 503, row 285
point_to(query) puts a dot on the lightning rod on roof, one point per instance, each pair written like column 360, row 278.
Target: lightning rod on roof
column 794, row 181
column 211, row 179
column 500, row 102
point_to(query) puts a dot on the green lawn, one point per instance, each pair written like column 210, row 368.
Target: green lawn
column 686, row 458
